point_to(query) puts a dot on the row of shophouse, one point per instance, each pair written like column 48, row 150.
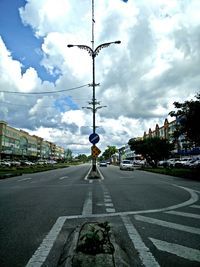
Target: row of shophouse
column 16, row 143
column 182, row 146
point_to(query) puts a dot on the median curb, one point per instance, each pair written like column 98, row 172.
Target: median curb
column 92, row 245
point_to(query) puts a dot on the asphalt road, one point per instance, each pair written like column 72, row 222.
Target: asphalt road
column 156, row 214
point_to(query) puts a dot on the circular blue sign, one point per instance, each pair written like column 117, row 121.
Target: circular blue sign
column 94, row 138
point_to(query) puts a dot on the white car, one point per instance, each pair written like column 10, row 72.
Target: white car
column 126, row 165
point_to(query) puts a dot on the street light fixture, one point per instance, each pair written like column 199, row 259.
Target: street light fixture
column 93, row 53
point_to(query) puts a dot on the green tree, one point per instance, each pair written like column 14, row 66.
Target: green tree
column 187, row 115
column 82, row 157
column 152, row 149
column 68, row 154
column 110, row 150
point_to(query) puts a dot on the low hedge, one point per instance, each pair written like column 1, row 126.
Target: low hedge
column 179, row 172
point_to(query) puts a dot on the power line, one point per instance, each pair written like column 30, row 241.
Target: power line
column 42, row 93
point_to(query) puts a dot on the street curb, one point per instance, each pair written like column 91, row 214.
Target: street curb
column 8, row 175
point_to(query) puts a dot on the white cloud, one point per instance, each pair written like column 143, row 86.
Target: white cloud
column 156, row 64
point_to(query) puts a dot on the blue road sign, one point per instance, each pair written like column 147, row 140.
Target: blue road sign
column 94, row 138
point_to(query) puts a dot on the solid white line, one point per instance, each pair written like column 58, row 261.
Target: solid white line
column 180, row 251
column 184, row 214
column 24, row 179
column 145, row 255
column 192, row 230
column 42, row 252
column 101, row 175
column 87, row 206
column 195, row 206
column 86, row 177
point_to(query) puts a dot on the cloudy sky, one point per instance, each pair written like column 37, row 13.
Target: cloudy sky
column 44, row 84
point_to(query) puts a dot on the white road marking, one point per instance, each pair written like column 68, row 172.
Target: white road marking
column 64, row 177
column 101, row 175
column 192, row 230
column 86, row 177
column 87, row 206
column 184, row 214
column 195, row 206
column 145, row 255
column 180, row 251
column 110, row 210
column 24, row 179
column 109, row 204
column 42, row 252
column 107, row 199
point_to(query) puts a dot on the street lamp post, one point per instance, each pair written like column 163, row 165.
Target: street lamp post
column 93, row 53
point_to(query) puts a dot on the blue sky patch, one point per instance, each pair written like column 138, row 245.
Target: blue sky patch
column 65, row 103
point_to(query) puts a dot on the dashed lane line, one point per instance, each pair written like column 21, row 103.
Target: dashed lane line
column 64, row 177
column 24, row 179
column 109, row 204
column 110, row 210
column 108, row 201
column 178, row 250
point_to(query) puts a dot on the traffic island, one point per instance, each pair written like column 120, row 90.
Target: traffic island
column 94, row 175
column 93, row 245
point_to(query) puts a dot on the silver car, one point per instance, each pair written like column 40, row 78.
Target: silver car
column 126, row 165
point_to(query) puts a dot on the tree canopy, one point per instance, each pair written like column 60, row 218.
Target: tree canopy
column 152, row 149
column 109, row 151
column 68, row 154
column 188, row 116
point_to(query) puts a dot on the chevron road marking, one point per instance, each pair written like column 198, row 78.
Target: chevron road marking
column 42, row 252
column 192, row 230
column 145, row 255
column 178, row 250
column 195, row 206
column 147, row 258
column 184, row 214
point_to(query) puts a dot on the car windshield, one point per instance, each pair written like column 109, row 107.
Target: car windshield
column 126, row 161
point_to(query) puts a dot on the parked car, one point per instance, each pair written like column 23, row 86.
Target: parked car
column 15, row 163
column 126, row 165
column 5, row 163
column 26, row 163
column 194, row 164
column 181, row 163
column 172, row 162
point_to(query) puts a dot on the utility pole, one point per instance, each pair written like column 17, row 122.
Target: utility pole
column 93, row 52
